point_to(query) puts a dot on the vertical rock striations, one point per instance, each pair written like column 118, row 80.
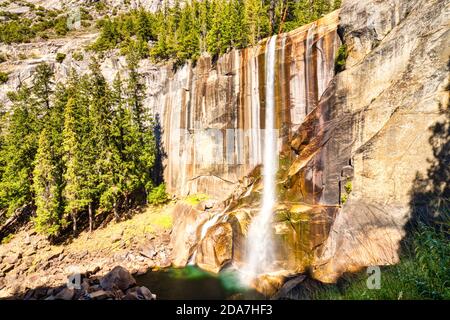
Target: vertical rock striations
column 356, row 148
column 212, row 113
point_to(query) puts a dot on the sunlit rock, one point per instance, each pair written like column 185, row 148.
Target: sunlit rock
column 215, row 249
column 185, row 232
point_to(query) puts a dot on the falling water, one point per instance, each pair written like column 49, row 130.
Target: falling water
column 259, row 247
column 308, row 65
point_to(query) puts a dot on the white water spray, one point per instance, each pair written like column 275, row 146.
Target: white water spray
column 259, row 240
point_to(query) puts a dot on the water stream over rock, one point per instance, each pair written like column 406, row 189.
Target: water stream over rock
column 259, row 240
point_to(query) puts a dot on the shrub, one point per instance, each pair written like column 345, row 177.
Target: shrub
column 8, row 238
column 196, row 198
column 341, row 58
column 61, row 26
column 100, row 6
column 60, row 57
column 348, row 187
column 3, row 57
column 3, row 77
column 158, row 195
column 344, row 198
column 78, row 56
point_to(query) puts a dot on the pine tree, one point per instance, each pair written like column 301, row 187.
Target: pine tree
column 144, row 30
column 135, row 91
column 256, row 19
column 238, row 24
column 188, row 34
column 73, row 159
column 42, row 86
column 214, row 39
column 97, row 149
column 46, row 188
column 19, row 148
column 202, row 14
column 125, row 151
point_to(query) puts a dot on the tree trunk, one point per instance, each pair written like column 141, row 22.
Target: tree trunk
column 116, row 212
column 91, row 222
column 74, row 222
column 283, row 19
column 272, row 6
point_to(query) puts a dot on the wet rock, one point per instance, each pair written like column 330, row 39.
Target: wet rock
column 139, row 293
column 141, row 271
column 268, row 284
column 37, row 293
column 117, row 278
column 288, row 286
column 208, row 204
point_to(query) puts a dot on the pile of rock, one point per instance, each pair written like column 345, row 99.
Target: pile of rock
column 29, row 261
column 118, row 284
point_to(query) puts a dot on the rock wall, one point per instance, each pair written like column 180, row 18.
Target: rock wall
column 352, row 172
column 212, row 114
column 394, row 90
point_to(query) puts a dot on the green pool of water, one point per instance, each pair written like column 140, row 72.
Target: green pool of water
column 192, row 283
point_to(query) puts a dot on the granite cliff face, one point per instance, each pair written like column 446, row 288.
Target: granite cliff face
column 212, row 114
column 348, row 173
column 394, row 90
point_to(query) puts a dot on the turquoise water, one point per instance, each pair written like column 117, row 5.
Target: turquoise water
column 192, row 283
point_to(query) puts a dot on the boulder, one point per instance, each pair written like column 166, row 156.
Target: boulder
column 13, row 258
column 270, row 283
column 148, row 252
column 139, row 293
column 117, row 278
column 186, row 231
column 100, row 295
column 65, row 294
column 288, row 286
column 215, row 250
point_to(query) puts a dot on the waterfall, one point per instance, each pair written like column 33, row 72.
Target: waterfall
column 309, row 71
column 259, row 242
